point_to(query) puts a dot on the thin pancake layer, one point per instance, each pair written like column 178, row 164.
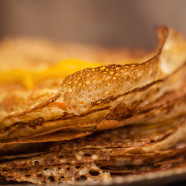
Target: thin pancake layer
column 170, row 106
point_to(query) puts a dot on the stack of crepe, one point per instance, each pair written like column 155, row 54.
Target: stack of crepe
column 123, row 113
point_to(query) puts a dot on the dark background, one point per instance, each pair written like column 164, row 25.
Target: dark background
column 127, row 23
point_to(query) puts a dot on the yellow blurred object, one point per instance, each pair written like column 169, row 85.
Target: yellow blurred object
column 61, row 69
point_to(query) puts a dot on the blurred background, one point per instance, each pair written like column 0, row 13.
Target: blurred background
column 128, row 23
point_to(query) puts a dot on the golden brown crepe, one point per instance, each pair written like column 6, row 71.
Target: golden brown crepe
column 80, row 99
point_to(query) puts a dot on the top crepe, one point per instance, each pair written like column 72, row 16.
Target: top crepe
column 92, row 94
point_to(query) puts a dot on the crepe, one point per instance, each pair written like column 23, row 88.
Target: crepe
column 101, row 122
column 79, row 102
column 87, row 159
column 170, row 106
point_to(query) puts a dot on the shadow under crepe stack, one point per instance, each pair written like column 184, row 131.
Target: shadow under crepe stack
column 97, row 124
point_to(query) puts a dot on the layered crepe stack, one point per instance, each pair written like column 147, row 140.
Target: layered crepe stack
column 87, row 122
